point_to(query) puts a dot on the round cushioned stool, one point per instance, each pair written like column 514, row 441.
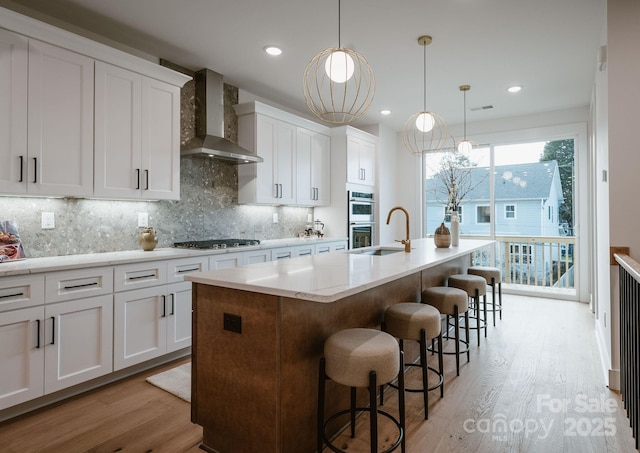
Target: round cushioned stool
column 421, row 323
column 451, row 302
column 361, row 358
column 475, row 286
column 493, row 277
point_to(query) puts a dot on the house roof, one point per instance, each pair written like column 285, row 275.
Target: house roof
column 513, row 182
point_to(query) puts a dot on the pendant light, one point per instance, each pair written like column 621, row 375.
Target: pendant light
column 465, row 145
column 424, row 131
column 338, row 84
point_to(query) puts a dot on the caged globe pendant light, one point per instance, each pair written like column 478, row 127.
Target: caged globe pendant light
column 465, row 145
column 424, row 131
column 338, row 84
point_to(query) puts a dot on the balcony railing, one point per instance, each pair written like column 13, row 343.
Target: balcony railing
column 542, row 261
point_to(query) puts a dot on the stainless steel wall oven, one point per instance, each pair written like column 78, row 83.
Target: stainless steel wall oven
column 361, row 219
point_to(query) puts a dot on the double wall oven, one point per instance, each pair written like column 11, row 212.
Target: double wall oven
column 361, row 219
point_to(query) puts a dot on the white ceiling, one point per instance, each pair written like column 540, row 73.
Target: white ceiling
column 548, row 46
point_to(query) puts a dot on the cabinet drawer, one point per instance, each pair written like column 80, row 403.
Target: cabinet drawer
column 177, row 269
column 140, row 275
column 21, row 292
column 76, row 284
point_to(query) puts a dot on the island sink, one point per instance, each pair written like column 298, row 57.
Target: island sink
column 377, row 251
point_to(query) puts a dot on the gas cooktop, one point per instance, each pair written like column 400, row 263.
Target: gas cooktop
column 216, row 243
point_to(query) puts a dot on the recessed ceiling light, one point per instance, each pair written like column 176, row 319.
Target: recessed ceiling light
column 514, row 89
column 385, row 112
column 273, row 50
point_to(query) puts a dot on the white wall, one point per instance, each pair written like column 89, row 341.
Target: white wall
column 623, row 96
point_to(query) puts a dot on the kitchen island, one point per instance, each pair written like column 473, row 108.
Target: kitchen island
column 259, row 330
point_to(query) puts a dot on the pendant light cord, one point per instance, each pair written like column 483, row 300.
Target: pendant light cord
column 464, row 105
column 424, row 72
column 339, row 20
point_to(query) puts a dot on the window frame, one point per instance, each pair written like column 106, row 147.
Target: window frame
column 506, row 211
column 488, row 207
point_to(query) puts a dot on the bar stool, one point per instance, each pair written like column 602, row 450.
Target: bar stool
column 451, row 302
column 421, row 323
column 475, row 286
column 493, row 276
column 361, row 358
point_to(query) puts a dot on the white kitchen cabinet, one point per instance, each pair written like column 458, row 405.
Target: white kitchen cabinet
column 271, row 181
column 152, row 309
column 13, row 111
column 78, row 339
column 361, row 161
column 304, row 250
column 313, row 158
column 59, row 158
column 50, row 346
column 226, row 260
column 257, row 256
column 339, row 246
column 137, row 143
column 21, row 356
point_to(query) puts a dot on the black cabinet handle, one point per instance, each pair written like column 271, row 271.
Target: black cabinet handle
column 141, row 276
column 21, row 168
column 193, row 269
column 173, row 304
column 138, row 178
column 53, row 330
column 146, row 174
column 81, row 286
column 164, row 306
column 11, row 295
column 38, row 337
column 35, row 170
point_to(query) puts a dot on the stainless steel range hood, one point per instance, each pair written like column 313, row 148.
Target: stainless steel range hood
column 209, row 139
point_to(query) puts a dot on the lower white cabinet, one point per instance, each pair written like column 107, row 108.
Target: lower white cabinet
column 52, row 347
column 156, row 318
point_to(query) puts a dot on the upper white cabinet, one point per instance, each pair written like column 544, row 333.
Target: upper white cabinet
column 13, row 111
column 295, row 170
column 313, row 158
column 361, row 160
column 47, row 121
column 137, row 143
column 47, row 118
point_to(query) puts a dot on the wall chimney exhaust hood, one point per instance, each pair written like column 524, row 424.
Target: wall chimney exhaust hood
column 209, row 139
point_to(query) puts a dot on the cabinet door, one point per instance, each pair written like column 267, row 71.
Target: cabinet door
column 226, row 260
column 368, row 162
column 139, row 326
column 160, row 179
column 321, row 169
column 354, row 171
column 60, row 117
column 78, row 341
column 13, row 112
column 305, row 190
column 118, row 118
column 179, row 316
column 21, row 356
column 266, row 174
column 285, row 162
column 257, row 256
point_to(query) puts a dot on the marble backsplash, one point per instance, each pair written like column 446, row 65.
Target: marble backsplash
column 208, row 209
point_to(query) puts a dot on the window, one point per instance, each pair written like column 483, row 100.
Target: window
column 447, row 215
column 551, row 213
column 520, row 253
column 483, row 214
column 510, row 211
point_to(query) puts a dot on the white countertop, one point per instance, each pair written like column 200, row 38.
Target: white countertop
column 59, row 263
column 333, row 276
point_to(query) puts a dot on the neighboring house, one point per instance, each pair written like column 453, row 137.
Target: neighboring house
column 527, row 198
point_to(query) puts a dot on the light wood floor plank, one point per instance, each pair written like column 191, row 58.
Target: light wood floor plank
column 543, row 353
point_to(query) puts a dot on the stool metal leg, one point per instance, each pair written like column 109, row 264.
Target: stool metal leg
column 467, row 334
column 425, row 371
column 373, row 418
column 353, row 412
column 493, row 299
column 456, row 323
column 401, row 405
column 441, row 364
column 486, row 319
column 500, row 298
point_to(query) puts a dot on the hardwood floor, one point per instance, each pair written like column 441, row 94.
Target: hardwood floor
column 534, row 385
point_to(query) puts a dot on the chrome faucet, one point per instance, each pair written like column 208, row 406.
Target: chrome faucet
column 407, row 241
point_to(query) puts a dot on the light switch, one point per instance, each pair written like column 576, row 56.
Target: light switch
column 48, row 221
column 275, row 217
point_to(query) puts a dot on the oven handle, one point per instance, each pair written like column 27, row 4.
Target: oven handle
column 362, row 223
column 360, row 200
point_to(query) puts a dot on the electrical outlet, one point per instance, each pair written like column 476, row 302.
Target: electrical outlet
column 309, row 218
column 143, row 219
column 275, row 217
column 48, row 221
column 232, row 323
